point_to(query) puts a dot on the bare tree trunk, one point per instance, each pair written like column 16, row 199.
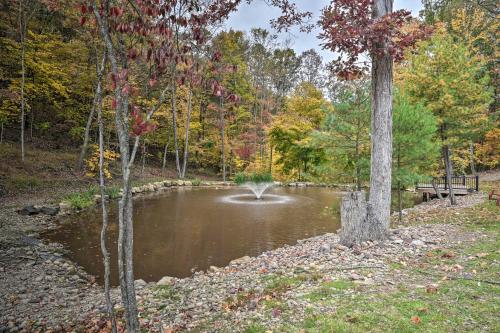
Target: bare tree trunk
column 174, row 125
column 1, row 134
column 85, row 144
column 449, row 174
column 22, row 31
column 186, row 138
column 378, row 210
column 164, row 163
column 222, row 135
column 143, row 157
column 436, row 188
column 102, row 186
column 400, row 204
column 472, row 163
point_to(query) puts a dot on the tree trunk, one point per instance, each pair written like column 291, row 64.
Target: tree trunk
column 31, row 124
column 358, row 166
column 222, row 135
column 353, row 214
column 85, row 144
column 378, row 211
column 449, row 173
column 22, row 31
column 1, row 134
column 400, row 204
column 125, row 210
column 143, row 158
column 102, row 186
column 164, row 163
column 472, row 163
column 174, row 125
column 436, row 189
column 186, row 138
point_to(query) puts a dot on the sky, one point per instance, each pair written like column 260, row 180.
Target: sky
column 258, row 14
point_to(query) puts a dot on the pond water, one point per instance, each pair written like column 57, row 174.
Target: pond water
column 180, row 231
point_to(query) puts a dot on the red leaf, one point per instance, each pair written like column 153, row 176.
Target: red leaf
column 83, row 19
column 113, row 103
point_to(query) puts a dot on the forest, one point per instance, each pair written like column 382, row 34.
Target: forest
column 278, row 111
column 102, row 101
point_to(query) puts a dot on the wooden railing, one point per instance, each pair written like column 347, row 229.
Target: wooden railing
column 469, row 183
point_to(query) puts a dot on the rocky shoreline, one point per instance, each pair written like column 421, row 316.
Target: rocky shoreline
column 42, row 291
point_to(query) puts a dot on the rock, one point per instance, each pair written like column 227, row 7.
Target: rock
column 188, row 183
column 64, row 206
column 165, row 281
column 398, row 241
column 240, row 261
column 341, row 247
column 139, row 284
column 356, row 277
column 167, row 183
column 417, row 243
column 52, row 211
column 29, row 210
column 213, row 269
column 325, row 248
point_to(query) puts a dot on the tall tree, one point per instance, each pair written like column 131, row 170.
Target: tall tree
column 353, row 28
column 446, row 78
column 311, row 69
column 345, row 133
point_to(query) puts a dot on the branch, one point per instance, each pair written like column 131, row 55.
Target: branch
column 148, row 116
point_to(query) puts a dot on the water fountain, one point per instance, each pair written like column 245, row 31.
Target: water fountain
column 258, row 188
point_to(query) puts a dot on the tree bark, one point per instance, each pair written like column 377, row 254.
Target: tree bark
column 353, row 216
column 79, row 165
column 222, row 135
column 164, row 163
column 436, row 189
column 186, row 138
column 22, row 32
column 379, row 208
column 449, row 174
column 174, row 128
column 102, row 187
column 1, row 134
column 472, row 163
column 400, row 204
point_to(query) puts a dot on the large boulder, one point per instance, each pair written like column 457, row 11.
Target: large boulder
column 52, row 211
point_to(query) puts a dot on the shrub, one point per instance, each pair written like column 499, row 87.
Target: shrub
column 196, row 182
column 82, row 200
column 255, row 177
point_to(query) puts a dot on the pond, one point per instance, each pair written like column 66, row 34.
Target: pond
column 179, row 231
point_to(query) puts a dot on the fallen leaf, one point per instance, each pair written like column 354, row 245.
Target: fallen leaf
column 432, row 289
column 416, row 320
column 482, row 255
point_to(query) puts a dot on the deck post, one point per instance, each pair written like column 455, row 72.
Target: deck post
column 477, row 183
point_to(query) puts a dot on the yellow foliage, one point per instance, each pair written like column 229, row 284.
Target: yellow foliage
column 488, row 152
column 92, row 163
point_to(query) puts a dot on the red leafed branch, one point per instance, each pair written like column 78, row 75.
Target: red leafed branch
column 350, row 30
column 140, row 125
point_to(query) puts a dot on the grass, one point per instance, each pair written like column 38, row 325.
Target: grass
column 81, row 200
column 462, row 302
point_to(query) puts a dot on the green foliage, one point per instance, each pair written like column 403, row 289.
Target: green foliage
column 414, row 146
column 82, row 200
column 196, row 182
column 254, row 177
column 344, row 135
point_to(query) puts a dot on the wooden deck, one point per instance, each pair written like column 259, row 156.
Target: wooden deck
column 462, row 185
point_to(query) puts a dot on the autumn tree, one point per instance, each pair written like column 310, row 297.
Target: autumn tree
column 446, row 78
column 353, row 29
